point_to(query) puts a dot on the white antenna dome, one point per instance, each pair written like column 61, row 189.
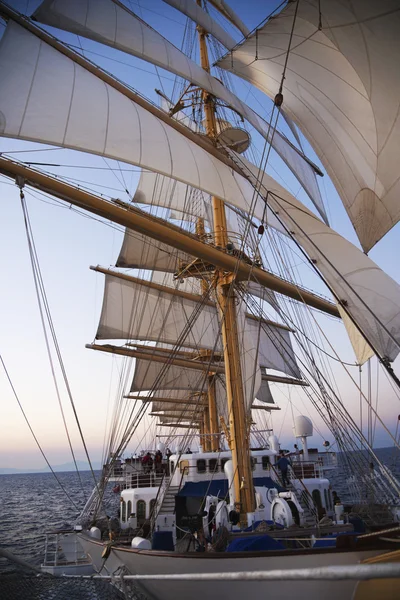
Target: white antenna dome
column 303, row 427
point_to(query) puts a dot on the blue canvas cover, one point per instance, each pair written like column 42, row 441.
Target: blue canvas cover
column 255, row 544
column 220, row 488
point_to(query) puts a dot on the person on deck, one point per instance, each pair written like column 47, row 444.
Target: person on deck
column 335, row 498
column 158, row 461
column 147, row 462
column 283, row 465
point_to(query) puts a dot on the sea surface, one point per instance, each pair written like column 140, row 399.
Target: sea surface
column 32, row 504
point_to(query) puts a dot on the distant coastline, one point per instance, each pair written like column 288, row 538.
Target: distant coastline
column 388, row 452
column 64, row 468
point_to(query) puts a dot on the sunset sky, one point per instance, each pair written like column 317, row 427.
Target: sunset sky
column 68, row 242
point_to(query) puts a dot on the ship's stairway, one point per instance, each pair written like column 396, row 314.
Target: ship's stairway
column 168, row 503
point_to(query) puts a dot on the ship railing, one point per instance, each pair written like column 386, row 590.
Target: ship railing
column 360, row 572
column 307, row 470
column 63, row 548
column 141, row 479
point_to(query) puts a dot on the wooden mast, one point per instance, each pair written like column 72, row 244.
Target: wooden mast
column 226, row 300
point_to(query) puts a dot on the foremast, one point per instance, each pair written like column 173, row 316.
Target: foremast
column 239, row 440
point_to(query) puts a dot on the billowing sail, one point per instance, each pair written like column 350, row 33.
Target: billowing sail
column 159, row 190
column 139, row 252
column 342, row 88
column 229, row 14
column 184, row 201
column 370, row 296
column 274, row 347
column 136, row 311
column 264, row 393
column 204, row 20
column 150, row 375
column 114, row 25
column 362, row 349
column 46, row 97
column 189, row 284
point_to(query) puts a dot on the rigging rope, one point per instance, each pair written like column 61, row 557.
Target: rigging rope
column 35, row 264
column 40, row 292
column 33, row 434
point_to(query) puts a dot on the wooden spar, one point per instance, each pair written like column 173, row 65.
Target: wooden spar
column 181, row 294
column 162, row 400
column 8, row 13
column 206, row 431
column 183, row 363
column 287, row 380
column 153, row 357
column 154, row 286
column 180, row 425
column 268, row 322
column 267, row 408
column 183, row 417
column 212, row 414
column 198, row 355
column 226, row 302
column 160, row 230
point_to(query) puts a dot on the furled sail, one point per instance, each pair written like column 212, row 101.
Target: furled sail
column 370, row 296
column 113, row 24
column 204, row 20
column 342, row 88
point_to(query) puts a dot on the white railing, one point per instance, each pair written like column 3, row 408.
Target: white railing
column 333, row 573
column 62, row 548
column 141, row 479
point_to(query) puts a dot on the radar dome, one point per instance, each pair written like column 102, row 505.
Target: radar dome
column 303, row 427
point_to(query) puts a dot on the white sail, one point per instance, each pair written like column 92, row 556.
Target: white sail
column 227, row 11
column 185, row 202
column 264, row 393
column 275, row 349
column 362, row 349
column 46, row 97
column 342, row 88
column 139, row 252
column 159, row 190
column 249, row 358
column 180, row 417
column 133, row 311
column 204, row 20
column 189, row 284
column 150, row 375
column 370, row 296
column 114, row 25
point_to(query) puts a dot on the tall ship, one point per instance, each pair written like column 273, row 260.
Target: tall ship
column 229, row 291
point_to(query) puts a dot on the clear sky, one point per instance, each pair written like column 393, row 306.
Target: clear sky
column 68, row 243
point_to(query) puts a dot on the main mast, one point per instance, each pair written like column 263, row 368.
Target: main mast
column 226, row 301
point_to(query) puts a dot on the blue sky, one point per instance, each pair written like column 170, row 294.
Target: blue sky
column 67, row 243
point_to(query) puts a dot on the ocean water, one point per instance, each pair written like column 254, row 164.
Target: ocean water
column 31, row 504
